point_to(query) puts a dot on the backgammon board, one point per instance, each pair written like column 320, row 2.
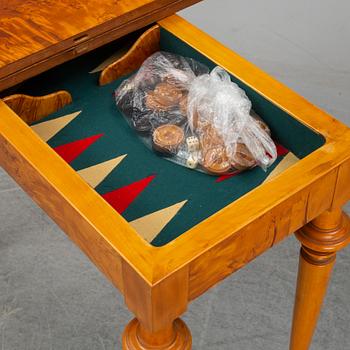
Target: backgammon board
column 163, row 234
column 160, row 199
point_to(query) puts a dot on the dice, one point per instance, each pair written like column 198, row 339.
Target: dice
column 192, row 161
column 192, row 143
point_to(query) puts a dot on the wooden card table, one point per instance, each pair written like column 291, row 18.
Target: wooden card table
column 161, row 233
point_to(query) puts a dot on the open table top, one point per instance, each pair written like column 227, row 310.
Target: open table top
column 215, row 247
column 158, row 280
column 36, row 35
column 160, row 199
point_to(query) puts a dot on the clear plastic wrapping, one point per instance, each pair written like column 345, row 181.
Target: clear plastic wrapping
column 196, row 118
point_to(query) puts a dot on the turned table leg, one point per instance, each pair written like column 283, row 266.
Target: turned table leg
column 320, row 240
column 157, row 308
column 175, row 337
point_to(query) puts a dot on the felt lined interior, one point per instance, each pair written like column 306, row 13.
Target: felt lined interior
column 168, row 183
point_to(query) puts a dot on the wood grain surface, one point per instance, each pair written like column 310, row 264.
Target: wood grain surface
column 100, row 232
column 156, row 308
column 289, row 200
column 320, row 239
column 274, row 209
column 37, row 35
column 32, row 109
column 168, row 277
column 260, row 235
column 176, row 337
column 145, row 46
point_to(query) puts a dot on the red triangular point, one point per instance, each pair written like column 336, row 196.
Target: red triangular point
column 227, row 176
column 72, row 150
column 281, row 150
column 122, row 197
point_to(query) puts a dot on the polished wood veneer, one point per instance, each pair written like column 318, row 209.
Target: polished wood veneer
column 159, row 282
column 38, row 35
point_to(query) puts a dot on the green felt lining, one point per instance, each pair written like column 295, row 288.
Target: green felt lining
column 286, row 130
column 172, row 183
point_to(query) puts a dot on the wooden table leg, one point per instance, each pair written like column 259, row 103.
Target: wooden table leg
column 320, row 240
column 176, row 337
column 157, row 308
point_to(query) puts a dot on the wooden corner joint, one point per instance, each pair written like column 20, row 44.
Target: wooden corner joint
column 157, row 308
column 323, row 237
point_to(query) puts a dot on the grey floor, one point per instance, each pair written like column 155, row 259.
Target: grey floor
column 52, row 297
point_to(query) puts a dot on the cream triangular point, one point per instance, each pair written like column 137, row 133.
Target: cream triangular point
column 149, row 226
column 95, row 174
column 46, row 130
column 284, row 164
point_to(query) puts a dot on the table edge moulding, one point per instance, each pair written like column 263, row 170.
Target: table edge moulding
column 40, row 35
column 158, row 282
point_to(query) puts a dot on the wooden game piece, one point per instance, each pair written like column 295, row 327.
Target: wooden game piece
column 168, row 92
column 215, row 161
column 242, row 158
column 214, row 155
column 164, row 97
column 209, row 136
column 141, row 124
column 183, row 105
column 154, row 103
column 167, row 138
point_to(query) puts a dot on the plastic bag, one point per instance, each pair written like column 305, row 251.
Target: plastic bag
column 197, row 119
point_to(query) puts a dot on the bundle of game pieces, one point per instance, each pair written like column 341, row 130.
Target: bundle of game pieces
column 193, row 117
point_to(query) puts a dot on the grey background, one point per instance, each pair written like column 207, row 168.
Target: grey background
column 52, row 297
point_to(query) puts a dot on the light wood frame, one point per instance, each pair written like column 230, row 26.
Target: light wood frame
column 32, row 109
column 145, row 46
column 158, row 282
column 96, row 23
